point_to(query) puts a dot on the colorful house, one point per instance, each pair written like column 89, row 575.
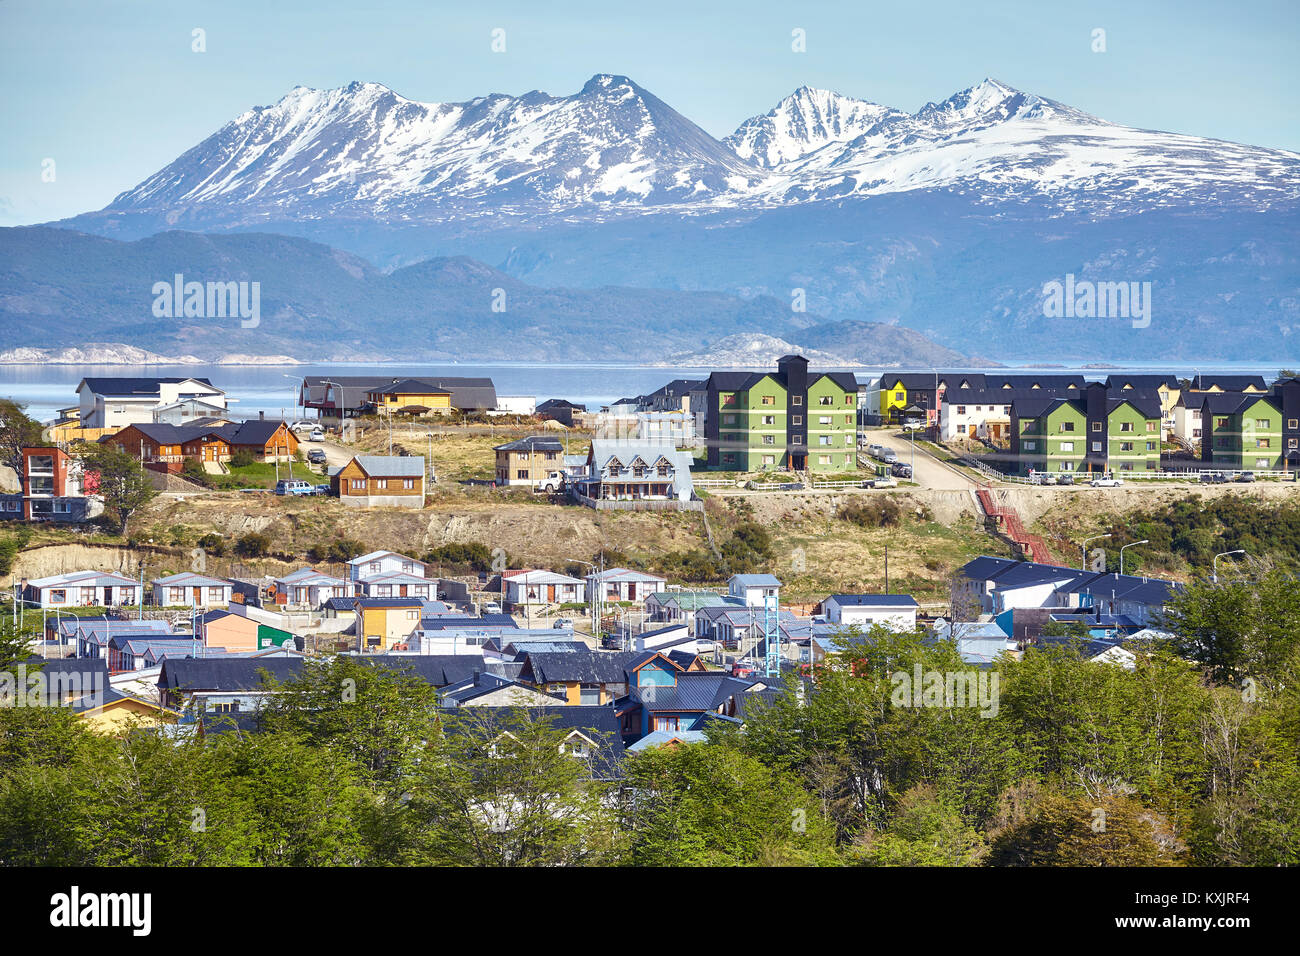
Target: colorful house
column 1242, row 432
column 383, row 623
column 788, row 419
column 367, row 481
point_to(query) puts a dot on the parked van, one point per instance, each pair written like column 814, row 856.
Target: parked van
column 286, row 486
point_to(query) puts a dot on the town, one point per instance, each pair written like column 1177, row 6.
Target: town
column 191, row 628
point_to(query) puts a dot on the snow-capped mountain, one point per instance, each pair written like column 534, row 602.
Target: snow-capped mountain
column 804, row 122
column 997, row 143
column 365, row 150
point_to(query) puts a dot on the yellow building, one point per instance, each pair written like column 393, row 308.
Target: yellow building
column 893, row 398
column 384, row 622
column 410, row 397
column 114, row 713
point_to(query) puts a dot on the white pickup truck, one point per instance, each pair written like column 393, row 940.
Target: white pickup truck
column 553, row 482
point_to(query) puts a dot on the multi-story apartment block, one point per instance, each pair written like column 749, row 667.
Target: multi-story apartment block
column 53, row 489
column 787, row 419
column 1241, row 432
column 1096, row 433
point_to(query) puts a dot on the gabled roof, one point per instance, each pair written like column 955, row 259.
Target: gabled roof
column 532, row 443
column 755, row 580
column 376, row 555
column 82, row 579
column 411, row 386
column 873, row 600
column 391, row 466
column 126, row 387
column 191, row 579
column 623, row 574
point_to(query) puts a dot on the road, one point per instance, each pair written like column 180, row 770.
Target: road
column 927, row 471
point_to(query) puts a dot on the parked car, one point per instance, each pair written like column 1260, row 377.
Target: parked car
column 492, row 607
column 885, row 482
column 302, row 426
column 900, row 470
column 1213, row 478
column 1246, row 476
column 288, row 486
column 1106, row 482
column 317, row 434
column 744, row 668
column 321, row 490
column 875, row 451
column 1065, row 479
column 316, row 456
column 561, row 622
column 888, row 456
column 1044, row 478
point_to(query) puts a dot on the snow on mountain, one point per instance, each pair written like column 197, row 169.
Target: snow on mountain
column 805, row 121
column 364, row 152
column 364, row 148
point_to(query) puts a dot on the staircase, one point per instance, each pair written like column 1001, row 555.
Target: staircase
column 1008, row 521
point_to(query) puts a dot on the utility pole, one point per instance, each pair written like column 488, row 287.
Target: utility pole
column 886, row 569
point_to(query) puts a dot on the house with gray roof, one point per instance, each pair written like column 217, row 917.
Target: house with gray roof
column 387, row 481
column 628, row 472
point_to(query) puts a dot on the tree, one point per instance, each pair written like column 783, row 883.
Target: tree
column 927, row 831
column 123, row 483
column 1115, row 830
column 1240, row 629
column 17, row 431
column 708, row 804
column 500, row 787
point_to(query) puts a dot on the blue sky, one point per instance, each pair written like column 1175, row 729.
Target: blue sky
column 111, row 90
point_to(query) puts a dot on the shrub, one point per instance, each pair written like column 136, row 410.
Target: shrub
column 254, row 544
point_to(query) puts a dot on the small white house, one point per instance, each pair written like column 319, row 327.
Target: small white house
column 754, row 589
column 308, row 587
column 81, row 589
column 383, row 562
column 543, row 587
column 622, row 584
column 897, row 611
column 189, row 589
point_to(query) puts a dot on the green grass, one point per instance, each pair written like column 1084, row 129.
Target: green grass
column 262, row 475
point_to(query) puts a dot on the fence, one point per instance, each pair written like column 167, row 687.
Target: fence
column 638, row 504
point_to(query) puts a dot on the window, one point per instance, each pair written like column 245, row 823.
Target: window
column 216, row 594
column 1126, row 466
column 1220, row 423
column 412, row 615
column 823, row 459
column 729, row 399
column 961, row 409
column 825, row 400
column 58, row 596
column 176, row 595
column 409, row 485
column 768, row 400
column 769, row 459
column 728, row 419
column 796, row 440
column 823, row 439
column 849, row 399
column 1151, row 446
column 824, row 420
column 1067, row 466
column 1262, row 442
column 1261, row 423
column 1126, row 426
column 1067, row 426
column 1030, row 446
column 898, row 396
column 798, row 399
column 797, row 420
column 1152, row 426
column 1293, row 423
column 381, row 483
column 1096, row 426
column 769, row 419
column 358, row 484
column 1067, row 446
column 522, row 473
column 769, row 440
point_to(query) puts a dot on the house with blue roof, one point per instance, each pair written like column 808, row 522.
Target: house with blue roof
column 753, row 589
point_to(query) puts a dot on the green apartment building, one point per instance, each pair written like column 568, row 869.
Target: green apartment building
column 1241, row 432
column 1093, row 434
column 789, row 419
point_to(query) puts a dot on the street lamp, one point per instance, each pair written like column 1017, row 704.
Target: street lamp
column 1223, row 554
column 1121, row 552
column 594, row 599
column 1083, row 550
